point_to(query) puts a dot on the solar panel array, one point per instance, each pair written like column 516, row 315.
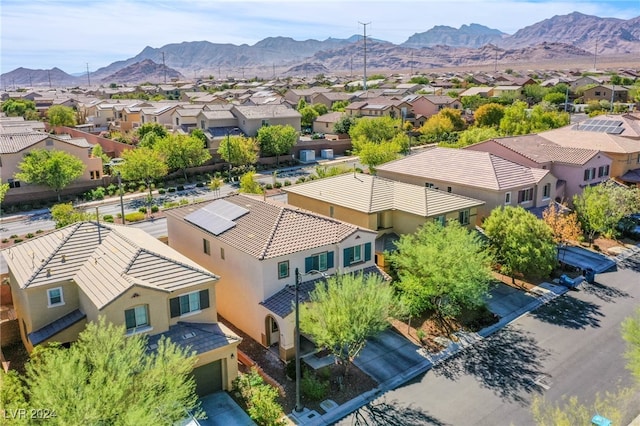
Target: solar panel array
column 599, row 125
column 216, row 217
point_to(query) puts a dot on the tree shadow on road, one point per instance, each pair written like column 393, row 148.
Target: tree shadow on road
column 603, row 292
column 391, row 413
column 509, row 363
column 631, row 262
column 569, row 312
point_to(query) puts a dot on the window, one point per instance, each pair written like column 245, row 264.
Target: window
column 448, row 189
column 319, row 262
column 428, row 185
column 463, row 217
column 136, row 318
column 507, row 198
column 603, row 171
column 177, row 121
column 353, row 255
column 206, row 246
column 187, row 303
column 525, row 195
column 13, row 183
column 331, row 211
column 95, row 174
column 283, row 269
column 546, row 191
column 265, row 123
column 440, row 219
column 590, row 173
column 597, row 93
column 55, row 297
column 202, row 124
column 222, row 253
column 49, row 142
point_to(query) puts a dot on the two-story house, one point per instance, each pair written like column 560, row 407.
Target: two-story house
column 257, row 246
column 479, row 175
column 252, row 118
column 606, row 93
column 76, row 274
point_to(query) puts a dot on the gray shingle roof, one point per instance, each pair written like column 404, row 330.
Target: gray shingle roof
column 198, row 337
column 370, row 194
column 465, row 167
column 271, row 230
column 266, row 111
column 56, row 327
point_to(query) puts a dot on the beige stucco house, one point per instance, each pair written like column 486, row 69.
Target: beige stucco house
column 390, row 208
column 251, row 118
column 575, row 168
column 256, row 246
column 74, row 275
column 479, row 175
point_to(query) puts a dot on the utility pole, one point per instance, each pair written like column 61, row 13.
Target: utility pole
column 351, row 73
column 88, row 78
column 495, row 64
column 164, row 68
column 49, row 75
column 364, row 24
column 595, row 55
column 411, row 64
column 30, row 83
column 274, row 71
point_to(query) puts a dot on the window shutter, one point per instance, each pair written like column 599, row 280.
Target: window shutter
column 330, row 260
column 174, row 307
column 130, row 318
column 204, row 299
column 367, row 252
column 348, row 254
column 308, row 264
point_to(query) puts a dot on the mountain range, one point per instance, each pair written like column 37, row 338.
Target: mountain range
column 562, row 37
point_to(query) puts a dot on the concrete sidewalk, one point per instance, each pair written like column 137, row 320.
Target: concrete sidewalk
column 396, row 367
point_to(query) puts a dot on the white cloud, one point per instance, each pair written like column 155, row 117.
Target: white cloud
column 68, row 34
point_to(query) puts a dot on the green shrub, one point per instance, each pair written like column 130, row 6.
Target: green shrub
column 184, row 201
column 287, row 182
column 180, row 187
column 108, row 218
column 142, row 209
column 29, row 235
column 17, row 240
column 5, row 240
column 161, row 191
column 112, row 189
column 142, row 188
column 25, row 207
column 170, row 204
column 260, row 399
column 171, row 189
column 199, row 185
column 278, row 185
column 13, row 236
column 134, row 217
column 268, row 186
column 39, row 231
column 155, row 209
column 98, row 193
column 180, row 181
column 313, row 388
column 301, row 179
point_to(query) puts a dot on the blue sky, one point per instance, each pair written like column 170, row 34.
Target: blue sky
column 68, row 34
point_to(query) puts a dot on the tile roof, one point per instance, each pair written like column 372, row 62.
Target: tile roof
column 271, row 229
column 266, row 111
column 11, row 143
column 198, row 337
column 51, row 329
column 605, row 142
column 282, row 302
column 541, row 150
column 440, row 100
column 103, row 260
column 370, row 194
column 217, row 115
column 466, row 167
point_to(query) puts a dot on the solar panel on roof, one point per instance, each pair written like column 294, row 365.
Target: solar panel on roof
column 617, row 130
column 216, row 217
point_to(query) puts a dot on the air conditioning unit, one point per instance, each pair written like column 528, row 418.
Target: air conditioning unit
column 307, row 155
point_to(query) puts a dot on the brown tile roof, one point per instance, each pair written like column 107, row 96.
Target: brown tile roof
column 103, row 260
column 271, row 229
column 600, row 141
column 12, row 143
column 371, row 194
column 465, row 167
column 541, row 150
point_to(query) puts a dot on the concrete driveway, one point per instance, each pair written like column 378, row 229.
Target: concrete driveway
column 584, row 259
column 504, row 299
column 221, row 411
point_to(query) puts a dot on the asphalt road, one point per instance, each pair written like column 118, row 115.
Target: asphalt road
column 571, row 346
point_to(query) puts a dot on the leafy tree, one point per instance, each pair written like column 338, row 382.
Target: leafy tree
column 309, row 114
column 436, row 128
column 19, row 108
column 339, row 106
column 374, row 130
column 343, row 125
column 419, row 79
column 143, row 164
column 321, row 109
column 555, row 98
column 108, row 377
column 534, row 93
column 301, row 104
column 199, row 134
column 517, row 120
column 489, row 115
column 182, row 152
column 473, row 102
column 344, row 312
column 277, row 140
column 564, row 226
column 60, row 115
column 53, row 168
column 65, row 214
column 446, row 282
column 521, row 242
column 454, row 115
column 631, row 334
column 155, row 128
column 260, row 399
column 601, row 207
column 475, row 135
column 4, row 187
column 239, row 150
column 248, row 185
column 97, row 152
column 215, row 184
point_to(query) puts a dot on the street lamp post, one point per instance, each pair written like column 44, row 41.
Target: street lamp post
column 298, row 407
column 121, row 202
column 229, row 152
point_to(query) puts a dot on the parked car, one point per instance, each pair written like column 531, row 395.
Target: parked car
column 630, row 226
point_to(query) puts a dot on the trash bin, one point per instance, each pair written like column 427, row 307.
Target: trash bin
column 599, row 420
column 590, row 275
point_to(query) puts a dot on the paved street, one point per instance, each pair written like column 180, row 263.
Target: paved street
column 571, row 346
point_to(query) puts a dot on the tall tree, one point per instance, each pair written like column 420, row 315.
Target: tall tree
column 65, row 214
column 149, row 133
column 346, row 310
column 378, row 140
column 489, row 115
column 182, row 152
column 455, row 116
column 53, row 168
column 433, row 275
column 108, row 377
column 277, row 140
column 436, row 128
column 373, row 154
column 564, row 226
column 4, row 187
column 476, row 134
column 20, row 108
column 239, row 150
column 248, row 184
column 143, row 164
column 522, row 243
column 343, row 125
column 60, row 115
column 309, row 114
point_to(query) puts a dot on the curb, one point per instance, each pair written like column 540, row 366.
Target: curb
column 358, row 402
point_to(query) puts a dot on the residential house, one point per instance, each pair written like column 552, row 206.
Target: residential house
column 606, row 93
column 575, row 168
column 329, row 98
column 295, row 95
column 161, row 113
column 257, row 247
column 511, row 90
column 390, row 208
column 252, row 118
column 482, row 91
column 63, row 280
column 479, row 175
column 185, row 117
column 379, row 107
column 325, row 123
column 429, row 105
column 584, row 81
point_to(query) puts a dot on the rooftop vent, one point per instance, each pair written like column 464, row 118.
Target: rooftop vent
column 189, row 335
